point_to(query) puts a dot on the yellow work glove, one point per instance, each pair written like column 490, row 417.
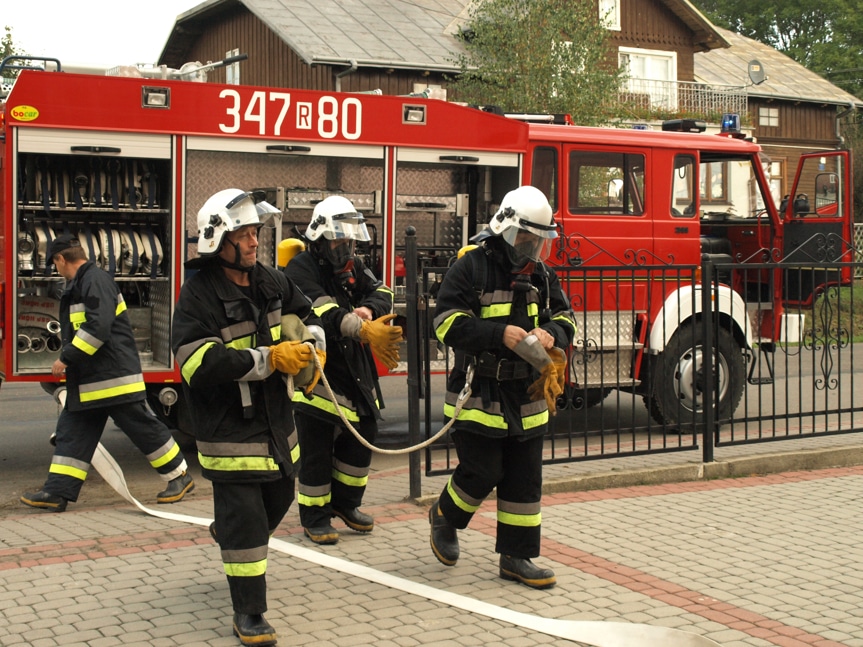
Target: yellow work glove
column 383, row 338
column 322, row 358
column 558, row 358
column 547, row 386
column 290, row 357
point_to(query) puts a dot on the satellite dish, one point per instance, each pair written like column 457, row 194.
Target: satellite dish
column 756, row 72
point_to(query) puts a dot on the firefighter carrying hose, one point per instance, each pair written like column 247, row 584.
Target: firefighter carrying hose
column 355, row 308
column 226, row 333
column 508, row 320
column 100, row 363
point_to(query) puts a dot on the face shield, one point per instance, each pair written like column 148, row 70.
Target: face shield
column 530, row 244
column 339, row 251
column 347, row 226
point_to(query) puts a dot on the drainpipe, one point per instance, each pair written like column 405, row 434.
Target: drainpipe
column 351, row 70
column 851, row 108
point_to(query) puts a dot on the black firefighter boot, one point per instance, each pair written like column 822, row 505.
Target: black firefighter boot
column 520, row 569
column 177, row 489
column 253, row 629
column 444, row 537
column 355, row 520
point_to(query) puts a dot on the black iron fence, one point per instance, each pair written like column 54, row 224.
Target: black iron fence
column 784, row 341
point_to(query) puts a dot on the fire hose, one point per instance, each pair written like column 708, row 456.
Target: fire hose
column 597, row 633
column 462, row 398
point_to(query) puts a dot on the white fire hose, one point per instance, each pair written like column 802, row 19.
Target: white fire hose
column 590, row 632
column 462, row 398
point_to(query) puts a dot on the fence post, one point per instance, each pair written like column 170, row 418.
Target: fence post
column 709, row 417
column 413, row 346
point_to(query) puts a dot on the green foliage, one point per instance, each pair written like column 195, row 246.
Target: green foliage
column 825, row 36
column 7, row 46
column 539, row 56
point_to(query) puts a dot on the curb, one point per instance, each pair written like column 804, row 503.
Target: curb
column 802, row 460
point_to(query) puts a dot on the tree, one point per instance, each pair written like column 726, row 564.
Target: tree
column 7, row 48
column 825, row 37
column 547, row 56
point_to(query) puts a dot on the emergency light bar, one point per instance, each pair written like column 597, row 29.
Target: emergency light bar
column 684, row 125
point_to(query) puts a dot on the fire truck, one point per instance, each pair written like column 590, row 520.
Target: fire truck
column 125, row 162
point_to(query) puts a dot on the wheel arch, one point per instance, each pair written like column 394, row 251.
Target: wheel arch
column 684, row 305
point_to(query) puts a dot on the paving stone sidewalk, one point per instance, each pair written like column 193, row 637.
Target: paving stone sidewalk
column 749, row 560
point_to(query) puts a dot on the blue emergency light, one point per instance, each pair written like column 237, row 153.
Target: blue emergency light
column 730, row 123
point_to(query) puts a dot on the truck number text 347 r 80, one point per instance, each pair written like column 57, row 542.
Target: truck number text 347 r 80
column 272, row 110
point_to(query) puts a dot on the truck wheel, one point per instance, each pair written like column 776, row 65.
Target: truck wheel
column 679, row 380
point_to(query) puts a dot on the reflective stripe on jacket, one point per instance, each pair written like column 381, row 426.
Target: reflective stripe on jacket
column 242, row 417
column 103, row 367
column 471, row 323
column 350, row 368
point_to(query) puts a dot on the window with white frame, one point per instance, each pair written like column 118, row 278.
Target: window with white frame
column 652, row 73
column 609, row 13
column 768, row 117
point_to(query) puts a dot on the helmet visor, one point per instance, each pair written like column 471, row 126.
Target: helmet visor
column 527, row 244
column 348, row 226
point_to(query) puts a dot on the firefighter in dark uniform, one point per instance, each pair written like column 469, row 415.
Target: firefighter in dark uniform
column 354, row 307
column 226, row 338
column 508, row 320
column 100, row 362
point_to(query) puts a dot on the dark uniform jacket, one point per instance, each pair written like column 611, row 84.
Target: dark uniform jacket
column 241, row 414
column 103, row 368
column 350, row 368
column 471, row 319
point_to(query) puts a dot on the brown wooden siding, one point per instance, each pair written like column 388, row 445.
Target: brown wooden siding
column 648, row 24
column 272, row 63
column 800, row 124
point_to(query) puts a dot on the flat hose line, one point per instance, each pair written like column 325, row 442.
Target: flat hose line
column 590, row 632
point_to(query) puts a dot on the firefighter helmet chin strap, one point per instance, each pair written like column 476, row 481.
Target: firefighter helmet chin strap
column 236, row 264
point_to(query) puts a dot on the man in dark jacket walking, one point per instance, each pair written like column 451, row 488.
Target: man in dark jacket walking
column 100, row 363
column 226, row 337
column 508, row 329
column 355, row 308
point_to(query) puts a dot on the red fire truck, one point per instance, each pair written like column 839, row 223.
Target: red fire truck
column 125, row 163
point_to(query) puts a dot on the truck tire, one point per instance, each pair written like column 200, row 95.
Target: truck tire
column 677, row 398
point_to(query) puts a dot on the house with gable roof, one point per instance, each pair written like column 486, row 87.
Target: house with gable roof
column 678, row 62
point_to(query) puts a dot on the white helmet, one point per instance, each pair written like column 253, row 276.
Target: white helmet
column 335, row 217
column 526, row 222
column 224, row 211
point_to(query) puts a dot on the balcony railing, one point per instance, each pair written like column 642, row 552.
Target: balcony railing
column 651, row 99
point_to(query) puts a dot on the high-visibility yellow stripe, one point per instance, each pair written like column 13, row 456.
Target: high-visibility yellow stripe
column 67, row 470
column 495, row 310
column 241, row 343
column 319, row 310
column 194, row 362
column 442, row 330
column 246, row 569
column 167, row 457
column 238, row 463
column 476, row 415
column 347, row 479
column 83, row 346
column 522, row 520
column 112, row 392
column 121, row 308
column 461, row 503
column 305, row 499
column 295, row 454
column 325, row 405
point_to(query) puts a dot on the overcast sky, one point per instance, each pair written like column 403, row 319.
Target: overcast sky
column 93, row 32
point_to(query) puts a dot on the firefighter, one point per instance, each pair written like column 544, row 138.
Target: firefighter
column 355, row 308
column 100, row 362
column 225, row 335
column 508, row 320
